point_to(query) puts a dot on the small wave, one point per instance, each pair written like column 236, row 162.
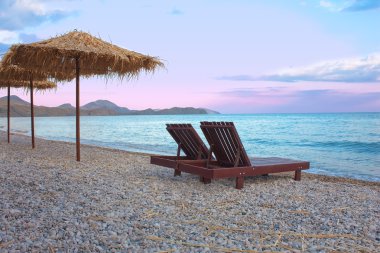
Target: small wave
column 356, row 175
column 144, row 148
column 356, row 146
column 257, row 141
column 20, row 131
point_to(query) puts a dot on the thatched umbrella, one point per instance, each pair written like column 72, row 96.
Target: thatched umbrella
column 82, row 54
column 38, row 85
column 13, row 76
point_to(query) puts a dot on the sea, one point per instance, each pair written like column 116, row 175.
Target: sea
column 338, row 144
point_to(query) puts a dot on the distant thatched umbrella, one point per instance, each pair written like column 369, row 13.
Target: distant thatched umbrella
column 37, row 85
column 15, row 77
column 82, row 54
column 16, row 73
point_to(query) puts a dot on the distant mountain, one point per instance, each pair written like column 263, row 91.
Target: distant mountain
column 105, row 106
column 21, row 108
column 179, row 110
column 15, row 100
column 210, row 111
column 66, row 106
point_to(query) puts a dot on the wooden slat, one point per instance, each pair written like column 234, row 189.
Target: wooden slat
column 245, row 159
column 234, row 144
column 213, row 140
column 231, row 143
column 223, row 152
column 178, row 137
column 197, row 143
column 227, row 142
column 186, row 141
column 224, row 141
column 219, row 141
column 190, row 141
column 193, row 142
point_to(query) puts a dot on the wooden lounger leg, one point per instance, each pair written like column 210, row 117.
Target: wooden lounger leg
column 239, row 182
column 206, row 180
column 297, row 175
column 177, row 172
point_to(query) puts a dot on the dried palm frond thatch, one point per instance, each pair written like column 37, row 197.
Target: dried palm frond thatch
column 95, row 56
column 38, row 85
column 13, row 72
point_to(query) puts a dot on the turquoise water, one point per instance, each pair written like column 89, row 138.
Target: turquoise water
column 346, row 144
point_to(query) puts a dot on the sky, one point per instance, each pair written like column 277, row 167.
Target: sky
column 232, row 56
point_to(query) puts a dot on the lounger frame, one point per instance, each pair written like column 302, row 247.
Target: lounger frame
column 214, row 171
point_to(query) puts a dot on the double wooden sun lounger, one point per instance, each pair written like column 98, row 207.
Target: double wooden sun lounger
column 226, row 157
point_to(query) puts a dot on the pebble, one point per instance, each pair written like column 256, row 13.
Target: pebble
column 115, row 201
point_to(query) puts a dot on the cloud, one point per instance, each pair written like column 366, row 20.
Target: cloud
column 237, row 78
column 350, row 5
column 355, row 70
column 176, row 11
column 18, row 14
column 283, row 100
column 273, row 92
column 327, row 4
column 241, row 93
column 363, row 5
column 8, row 38
column 333, row 101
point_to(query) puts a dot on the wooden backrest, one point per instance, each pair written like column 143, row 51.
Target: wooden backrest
column 191, row 144
column 225, row 143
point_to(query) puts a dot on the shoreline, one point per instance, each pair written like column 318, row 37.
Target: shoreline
column 323, row 177
column 115, row 201
column 242, row 114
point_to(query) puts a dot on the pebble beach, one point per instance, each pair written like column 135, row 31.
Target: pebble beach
column 116, row 201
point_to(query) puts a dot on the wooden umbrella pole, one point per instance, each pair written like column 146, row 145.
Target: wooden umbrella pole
column 32, row 110
column 8, row 113
column 77, row 109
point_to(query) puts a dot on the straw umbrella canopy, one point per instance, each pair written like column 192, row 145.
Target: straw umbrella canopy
column 15, row 77
column 83, row 54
